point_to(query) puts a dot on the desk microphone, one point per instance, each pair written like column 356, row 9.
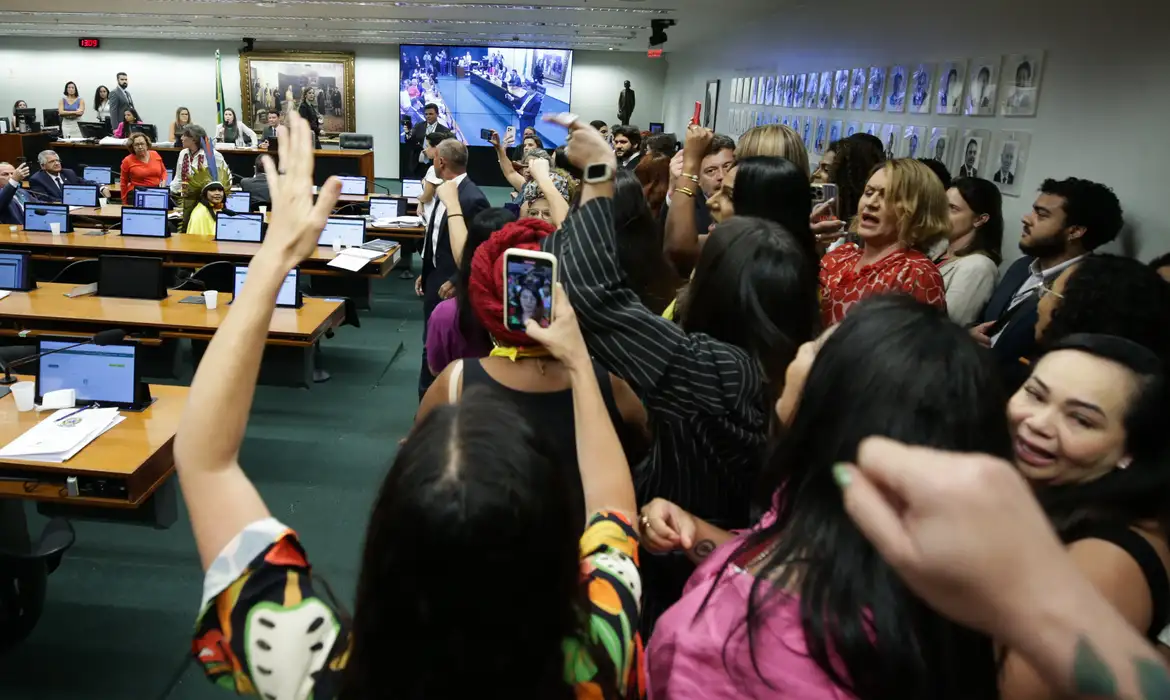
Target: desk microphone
column 106, row 337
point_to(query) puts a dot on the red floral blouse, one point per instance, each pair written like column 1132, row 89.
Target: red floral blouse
column 905, row 270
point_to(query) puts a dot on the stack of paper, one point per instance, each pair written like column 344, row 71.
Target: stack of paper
column 398, row 222
column 62, row 435
column 354, row 259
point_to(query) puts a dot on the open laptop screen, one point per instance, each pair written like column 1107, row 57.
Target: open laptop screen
column 241, row 227
column 411, row 189
column 14, row 270
column 79, row 195
column 144, row 222
column 37, row 217
column 352, row 185
column 238, row 201
column 387, row 207
column 152, row 198
column 287, row 296
column 95, row 372
column 351, row 232
column 101, row 174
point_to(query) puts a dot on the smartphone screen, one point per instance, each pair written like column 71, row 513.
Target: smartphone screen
column 485, row 134
column 528, row 292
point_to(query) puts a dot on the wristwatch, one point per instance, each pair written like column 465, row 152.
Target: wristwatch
column 597, row 173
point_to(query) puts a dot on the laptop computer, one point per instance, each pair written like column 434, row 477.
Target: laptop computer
column 38, row 217
column 79, row 195
column 354, row 185
column 387, row 207
column 246, row 228
column 412, row 189
column 290, row 290
column 350, row 231
column 108, row 375
column 101, row 174
column 145, row 222
column 152, row 198
column 238, row 202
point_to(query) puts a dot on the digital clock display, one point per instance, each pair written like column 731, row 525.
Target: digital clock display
column 89, row 43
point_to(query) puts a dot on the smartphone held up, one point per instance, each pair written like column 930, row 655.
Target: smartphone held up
column 530, row 281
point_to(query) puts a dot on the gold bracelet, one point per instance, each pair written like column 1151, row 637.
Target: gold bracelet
column 692, row 178
column 685, row 190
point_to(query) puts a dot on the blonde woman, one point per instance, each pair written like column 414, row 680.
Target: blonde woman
column 182, row 119
column 902, row 211
column 773, row 140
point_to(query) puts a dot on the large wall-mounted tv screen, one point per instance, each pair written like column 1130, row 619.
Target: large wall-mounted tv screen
column 481, row 87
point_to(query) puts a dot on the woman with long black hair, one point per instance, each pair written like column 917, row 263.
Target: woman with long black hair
column 308, row 112
column 802, row 606
column 970, row 265
column 475, row 571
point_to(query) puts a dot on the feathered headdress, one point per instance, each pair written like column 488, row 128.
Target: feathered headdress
column 195, row 184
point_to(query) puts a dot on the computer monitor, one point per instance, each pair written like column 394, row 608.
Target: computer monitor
column 50, row 118
column 4, row 127
column 170, row 176
column 354, row 185
column 411, row 189
column 25, row 118
column 16, row 271
column 131, row 277
column 94, row 130
column 101, row 174
column 79, row 195
column 108, row 375
column 290, row 290
column 238, row 201
column 37, row 217
column 247, row 228
column 152, row 198
column 387, row 207
column 148, row 129
column 144, row 222
column 350, row 231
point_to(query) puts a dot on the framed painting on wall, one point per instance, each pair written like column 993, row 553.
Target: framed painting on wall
column 711, row 104
column 282, row 80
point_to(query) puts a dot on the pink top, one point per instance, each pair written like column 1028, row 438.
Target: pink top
column 686, row 656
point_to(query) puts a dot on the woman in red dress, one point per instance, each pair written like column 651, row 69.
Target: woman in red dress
column 142, row 168
column 902, row 210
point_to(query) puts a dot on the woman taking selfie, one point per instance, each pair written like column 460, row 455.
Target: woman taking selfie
column 264, row 629
column 709, row 382
column 902, row 210
column 801, row 606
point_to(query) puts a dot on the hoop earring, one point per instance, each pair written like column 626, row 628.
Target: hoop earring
column 1125, row 462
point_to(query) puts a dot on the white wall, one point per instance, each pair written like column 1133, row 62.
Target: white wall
column 164, row 75
column 1103, row 102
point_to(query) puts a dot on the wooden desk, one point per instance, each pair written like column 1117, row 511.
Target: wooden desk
column 180, row 250
column 242, row 161
column 414, row 233
column 47, row 308
column 135, row 455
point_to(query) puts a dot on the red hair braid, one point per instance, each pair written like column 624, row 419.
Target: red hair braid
column 486, row 286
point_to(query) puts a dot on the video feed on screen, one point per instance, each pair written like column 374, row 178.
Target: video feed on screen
column 482, row 87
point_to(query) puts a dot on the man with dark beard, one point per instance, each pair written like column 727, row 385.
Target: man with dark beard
column 1069, row 219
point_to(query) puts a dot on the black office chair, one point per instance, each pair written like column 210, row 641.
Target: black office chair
column 24, row 578
column 79, row 272
column 219, row 275
column 357, row 142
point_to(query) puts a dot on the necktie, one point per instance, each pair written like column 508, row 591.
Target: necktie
column 129, row 99
column 57, row 179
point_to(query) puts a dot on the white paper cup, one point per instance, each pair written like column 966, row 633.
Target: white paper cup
column 337, row 245
column 314, row 189
column 24, row 393
column 55, row 228
column 102, row 202
column 211, row 299
column 263, row 209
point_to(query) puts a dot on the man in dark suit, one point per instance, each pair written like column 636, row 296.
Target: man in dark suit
column 257, row 185
column 625, row 104
column 1005, row 175
column 49, row 181
column 273, row 122
column 1069, row 219
column 418, row 162
column 12, row 196
column 120, row 100
column 439, row 270
column 627, row 146
column 528, row 107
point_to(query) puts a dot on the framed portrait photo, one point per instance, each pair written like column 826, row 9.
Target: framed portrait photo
column 891, row 137
column 852, row 128
column 921, row 82
column 789, row 90
column 982, row 86
column 711, row 104
column 857, row 90
column 913, row 141
column 282, row 80
column 798, row 90
column 762, row 89
column 806, row 124
column 876, row 100
column 1022, row 72
column 836, row 127
column 896, row 99
column 940, row 146
column 969, row 153
column 826, row 94
column 820, row 135
column 951, row 79
column 841, row 90
column 769, row 90
column 794, row 123
column 872, row 128
column 1010, row 154
column 812, row 89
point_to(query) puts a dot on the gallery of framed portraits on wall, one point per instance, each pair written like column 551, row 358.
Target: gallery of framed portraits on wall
column 280, row 80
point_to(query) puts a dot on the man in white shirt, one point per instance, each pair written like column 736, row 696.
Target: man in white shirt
column 417, row 140
column 1069, row 219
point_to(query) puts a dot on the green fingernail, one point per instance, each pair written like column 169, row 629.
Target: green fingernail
column 842, row 475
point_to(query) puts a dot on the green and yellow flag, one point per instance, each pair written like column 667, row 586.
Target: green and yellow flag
column 219, row 106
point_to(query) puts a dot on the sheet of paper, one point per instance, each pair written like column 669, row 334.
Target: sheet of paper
column 4, row 293
column 362, row 253
column 53, row 441
column 348, row 262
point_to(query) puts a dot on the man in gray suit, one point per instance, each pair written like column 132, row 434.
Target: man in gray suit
column 257, row 185
column 120, row 100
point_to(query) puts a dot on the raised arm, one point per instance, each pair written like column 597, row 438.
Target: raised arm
column 220, row 499
column 681, row 240
column 448, row 194
column 671, row 371
column 605, row 475
column 515, row 179
column 559, row 207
